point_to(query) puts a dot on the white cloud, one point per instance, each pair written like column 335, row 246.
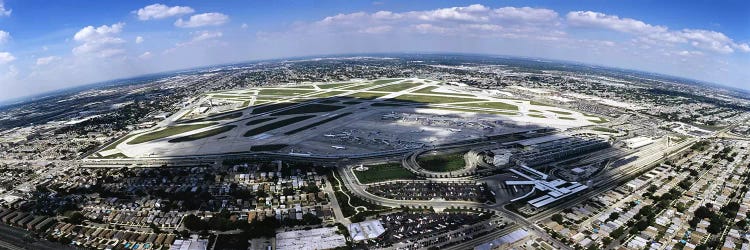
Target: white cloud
column 473, row 20
column 244, row 26
column 3, row 11
column 657, row 35
column 101, row 41
column 4, row 36
column 138, row 39
column 206, row 35
column 201, row 20
column 46, row 60
column 160, row 11
column 6, row 57
column 601, row 20
column 145, row 55
column 377, row 29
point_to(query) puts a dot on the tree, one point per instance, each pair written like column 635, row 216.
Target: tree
column 613, row 216
column 194, row 223
column 557, row 218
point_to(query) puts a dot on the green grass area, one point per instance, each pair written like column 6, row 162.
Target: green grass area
column 227, row 96
column 477, row 111
column 537, row 116
column 275, row 125
column 114, row 144
column 384, row 172
column 373, row 84
column 565, row 118
column 332, row 85
column 216, row 117
column 605, row 130
column 540, row 104
column 535, row 111
column 272, row 107
column 328, row 94
column 431, row 99
column 259, row 121
column 442, row 162
column 204, row 134
column 310, row 108
column 300, row 87
column 429, row 90
column 397, row 87
column 268, row 147
column 560, row 112
column 284, row 92
column 315, row 124
column 169, row 131
column 115, row 156
column 367, row 95
column 599, row 121
column 492, row 105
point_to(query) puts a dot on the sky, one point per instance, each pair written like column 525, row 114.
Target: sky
column 50, row 45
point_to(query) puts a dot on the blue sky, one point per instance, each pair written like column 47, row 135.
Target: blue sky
column 48, row 45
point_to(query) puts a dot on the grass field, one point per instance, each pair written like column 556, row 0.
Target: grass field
column 217, row 117
column 367, row 95
column 560, row 112
column 540, row 104
column 565, row 118
column 275, row 125
column 284, row 92
column 431, row 99
column 332, row 85
column 272, row 107
column 605, row 130
column 169, row 131
column 397, row 87
column 535, row 111
column 310, row 108
column 114, row 144
column 328, row 94
column 599, row 121
column 537, row 116
column 268, row 147
column 204, row 134
column 492, row 105
column 384, row 172
column 442, row 162
column 429, row 90
column 315, row 124
column 259, row 121
column 375, row 83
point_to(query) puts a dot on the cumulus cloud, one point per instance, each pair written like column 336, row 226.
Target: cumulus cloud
column 3, row 11
column 160, row 11
column 46, row 60
column 6, row 57
column 4, row 36
column 601, row 20
column 101, row 41
column 206, row 35
column 472, row 20
column 138, row 39
column 657, row 35
column 201, row 20
column 145, row 55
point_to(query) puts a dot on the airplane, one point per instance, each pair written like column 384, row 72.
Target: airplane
column 338, row 147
